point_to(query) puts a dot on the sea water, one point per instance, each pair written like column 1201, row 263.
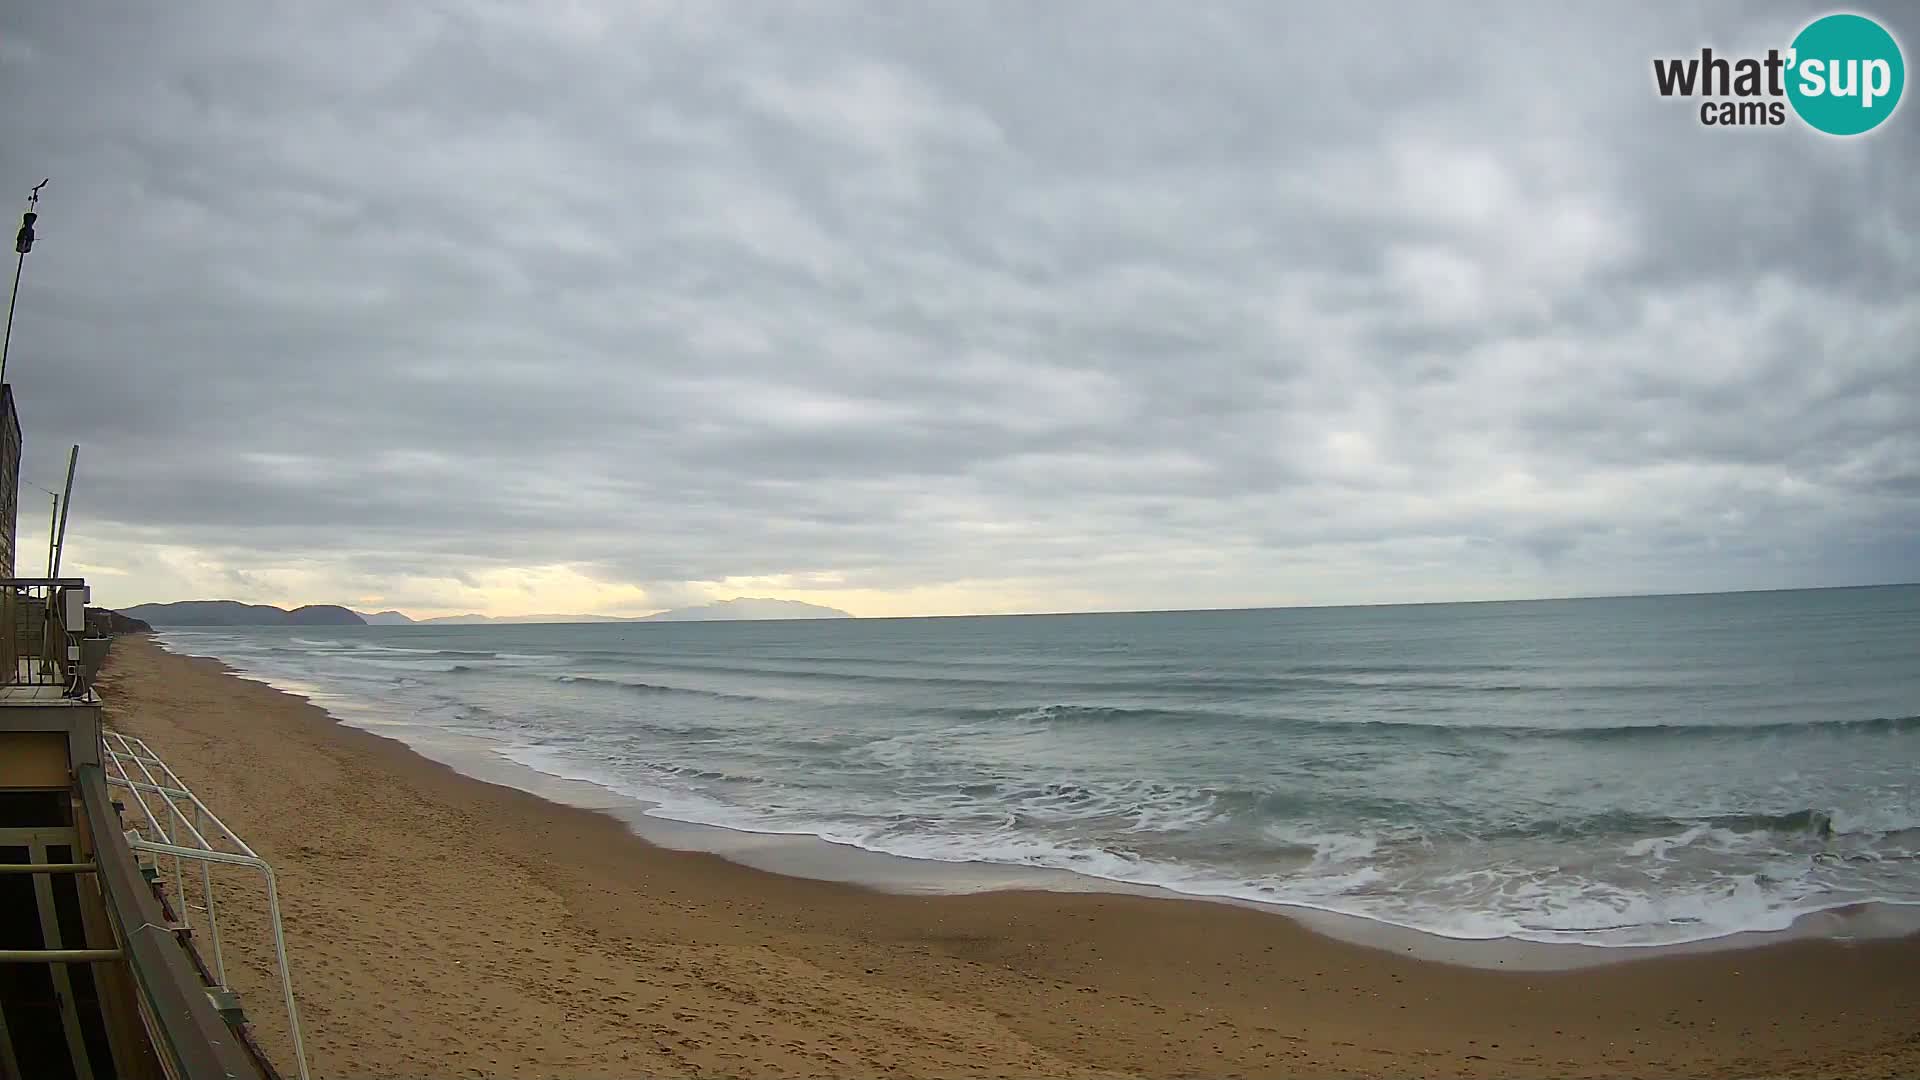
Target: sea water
column 1612, row 771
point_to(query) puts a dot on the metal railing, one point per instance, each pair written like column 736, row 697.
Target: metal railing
column 175, row 1009
column 42, row 623
column 172, row 832
column 56, row 954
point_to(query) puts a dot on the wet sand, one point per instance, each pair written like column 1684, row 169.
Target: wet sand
column 440, row 925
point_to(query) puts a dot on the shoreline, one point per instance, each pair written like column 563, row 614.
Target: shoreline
column 813, row 857
column 439, row 920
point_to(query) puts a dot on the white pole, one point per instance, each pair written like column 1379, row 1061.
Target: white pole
column 66, row 504
column 213, row 923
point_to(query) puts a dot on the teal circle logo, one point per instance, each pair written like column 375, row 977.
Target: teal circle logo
column 1845, row 74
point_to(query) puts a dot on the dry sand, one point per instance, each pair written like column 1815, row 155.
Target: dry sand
column 442, row 926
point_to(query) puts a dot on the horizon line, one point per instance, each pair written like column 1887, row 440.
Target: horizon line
column 1110, row 611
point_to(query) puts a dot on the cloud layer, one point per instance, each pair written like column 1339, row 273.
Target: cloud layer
column 955, row 307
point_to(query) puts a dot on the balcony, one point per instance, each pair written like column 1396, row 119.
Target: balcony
column 46, row 657
column 99, row 976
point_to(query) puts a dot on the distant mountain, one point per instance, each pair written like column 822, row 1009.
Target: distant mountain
column 475, row 620
column 234, row 613
column 748, row 607
column 385, row 618
column 323, row 615
column 737, row 609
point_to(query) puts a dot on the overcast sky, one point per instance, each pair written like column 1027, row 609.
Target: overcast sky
column 916, row 308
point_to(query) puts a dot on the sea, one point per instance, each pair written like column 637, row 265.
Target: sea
column 1609, row 772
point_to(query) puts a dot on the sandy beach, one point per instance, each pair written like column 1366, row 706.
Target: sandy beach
column 444, row 926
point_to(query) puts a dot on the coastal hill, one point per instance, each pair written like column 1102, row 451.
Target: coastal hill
column 104, row 622
column 739, row 608
column 476, row 620
column 234, row 613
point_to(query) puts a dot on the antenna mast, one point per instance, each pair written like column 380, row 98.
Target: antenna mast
column 22, row 243
column 66, row 504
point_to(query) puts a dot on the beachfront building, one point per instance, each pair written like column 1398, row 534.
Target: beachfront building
column 101, row 973
column 9, row 478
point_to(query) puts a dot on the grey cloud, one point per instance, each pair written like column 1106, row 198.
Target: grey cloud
column 1129, row 305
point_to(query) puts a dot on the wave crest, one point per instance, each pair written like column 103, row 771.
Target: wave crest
column 1065, row 713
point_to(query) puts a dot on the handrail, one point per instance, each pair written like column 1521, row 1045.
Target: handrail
column 186, row 1029
column 118, row 750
